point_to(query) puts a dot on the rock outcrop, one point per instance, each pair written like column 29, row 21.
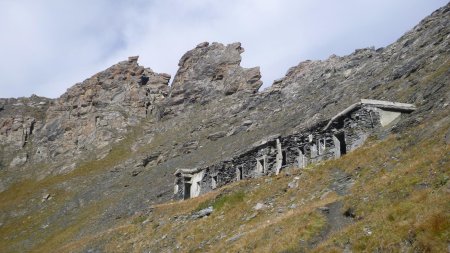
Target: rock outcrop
column 384, row 73
column 92, row 114
column 19, row 120
column 209, row 72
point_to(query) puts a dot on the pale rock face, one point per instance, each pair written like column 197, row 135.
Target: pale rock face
column 93, row 114
column 20, row 119
column 19, row 160
column 208, row 72
column 320, row 88
column 90, row 114
column 15, row 130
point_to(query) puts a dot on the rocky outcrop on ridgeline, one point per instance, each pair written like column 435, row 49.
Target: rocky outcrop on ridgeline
column 95, row 113
column 90, row 115
column 396, row 73
column 211, row 71
column 19, row 118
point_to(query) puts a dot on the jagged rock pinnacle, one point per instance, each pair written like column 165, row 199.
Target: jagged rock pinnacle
column 212, row 70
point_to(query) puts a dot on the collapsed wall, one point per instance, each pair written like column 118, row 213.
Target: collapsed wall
column 324, row 141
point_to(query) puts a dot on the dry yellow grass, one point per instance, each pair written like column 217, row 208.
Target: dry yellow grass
column 18, row 196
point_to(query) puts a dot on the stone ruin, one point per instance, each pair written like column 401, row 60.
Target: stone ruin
column 326, row 140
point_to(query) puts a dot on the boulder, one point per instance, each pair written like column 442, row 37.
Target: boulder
column 259, row 206
column 203, row 213
column 217, row 135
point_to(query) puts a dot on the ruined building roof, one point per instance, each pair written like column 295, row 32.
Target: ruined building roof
column 376, row 103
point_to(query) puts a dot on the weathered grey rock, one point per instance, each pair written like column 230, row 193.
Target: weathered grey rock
column 189, row 146
column 293, row 206
column 247, row 123
column 235, row 237
column 90, row 114
column 293, row 184
column 367, row 231
column 19, row 160
column 217, row 135
column 251, row 217
column 203, row 213
column 259, row 206
column 203, row 44
column 133, row 58
column 236, row 130
column 209, row 72
column 46, row 197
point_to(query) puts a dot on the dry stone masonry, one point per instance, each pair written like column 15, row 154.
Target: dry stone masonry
column 324, row 141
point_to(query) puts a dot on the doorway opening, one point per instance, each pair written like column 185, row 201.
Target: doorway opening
column 339, row 144
column 187, row 190
column 322, row 145
column 239, row 173
column 284, row 161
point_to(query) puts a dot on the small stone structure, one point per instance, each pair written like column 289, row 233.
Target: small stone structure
column 326, row 140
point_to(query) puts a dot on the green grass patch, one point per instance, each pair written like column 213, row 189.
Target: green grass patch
column 223, row 201
column 229, row 200
column 138, row 220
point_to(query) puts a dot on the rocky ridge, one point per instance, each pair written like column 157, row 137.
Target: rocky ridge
column 90, row 115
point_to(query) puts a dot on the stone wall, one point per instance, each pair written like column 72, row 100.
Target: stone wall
column 344, row 133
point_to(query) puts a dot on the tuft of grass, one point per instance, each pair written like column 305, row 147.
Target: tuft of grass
column 227, row 201
column 139, row 219
column 440, row 71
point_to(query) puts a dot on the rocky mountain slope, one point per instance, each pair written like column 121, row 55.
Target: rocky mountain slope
column 77, row 169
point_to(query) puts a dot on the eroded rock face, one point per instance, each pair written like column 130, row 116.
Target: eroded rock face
column 93, row 113
column 211, row 71
column 15, row 130
column 99, row 111
column 20, row 119
column 320, row 88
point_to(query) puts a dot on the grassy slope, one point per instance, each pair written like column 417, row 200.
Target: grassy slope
column 28, row 227
column 400, row 197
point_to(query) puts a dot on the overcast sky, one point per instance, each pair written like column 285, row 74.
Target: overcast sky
column 46, row 46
